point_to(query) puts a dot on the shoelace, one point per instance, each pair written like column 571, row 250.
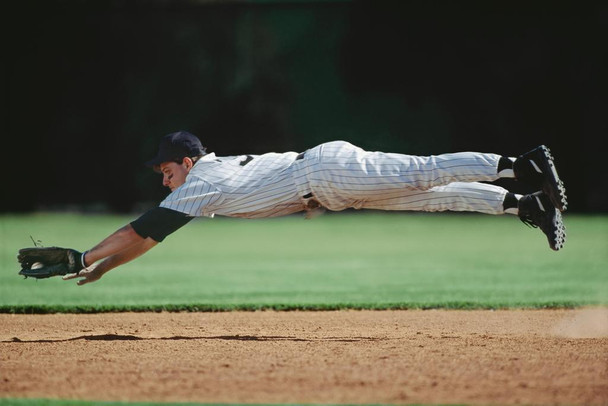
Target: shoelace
column 529, row 221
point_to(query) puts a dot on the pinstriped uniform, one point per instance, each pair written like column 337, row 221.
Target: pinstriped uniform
column 243, row 186
column 338, row 175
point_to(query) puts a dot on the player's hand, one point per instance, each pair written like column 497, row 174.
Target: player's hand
column 88, row 275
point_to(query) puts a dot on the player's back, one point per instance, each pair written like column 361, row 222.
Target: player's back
column 243, row 174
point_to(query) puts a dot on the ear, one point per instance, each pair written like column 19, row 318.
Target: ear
column 188, row 163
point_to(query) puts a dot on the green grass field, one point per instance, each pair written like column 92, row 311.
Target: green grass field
column 344, row 260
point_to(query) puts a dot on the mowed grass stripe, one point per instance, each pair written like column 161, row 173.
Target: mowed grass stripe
column 365, row 260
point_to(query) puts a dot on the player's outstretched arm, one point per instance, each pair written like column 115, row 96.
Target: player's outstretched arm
column 121, row 239
column 129, row 242
column 95, row 272
column 124, row 245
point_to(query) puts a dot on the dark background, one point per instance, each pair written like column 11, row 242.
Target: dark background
column 89, row 87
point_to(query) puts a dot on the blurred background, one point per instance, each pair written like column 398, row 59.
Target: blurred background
column 89, row 87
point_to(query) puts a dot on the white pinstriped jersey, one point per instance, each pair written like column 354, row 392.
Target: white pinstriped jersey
column 338, row 175
column 249, row 186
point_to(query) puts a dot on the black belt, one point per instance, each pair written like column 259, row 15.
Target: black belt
column 301, row 155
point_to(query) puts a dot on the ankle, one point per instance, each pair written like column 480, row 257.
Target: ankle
column 511, row 203
column 505, row 167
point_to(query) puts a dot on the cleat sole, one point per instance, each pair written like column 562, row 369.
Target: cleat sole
column 560, row 232
column 553, row 187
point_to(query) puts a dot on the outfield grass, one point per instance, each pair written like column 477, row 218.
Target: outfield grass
column 344, row 260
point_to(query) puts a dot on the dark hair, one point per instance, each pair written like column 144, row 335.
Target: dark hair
column 194, row 159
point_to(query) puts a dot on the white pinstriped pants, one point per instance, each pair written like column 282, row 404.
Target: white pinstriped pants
column 341, row 175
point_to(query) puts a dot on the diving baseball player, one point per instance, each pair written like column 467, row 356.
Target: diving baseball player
column 333, row 176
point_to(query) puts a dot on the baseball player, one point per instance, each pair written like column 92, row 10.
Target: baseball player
column 334, row 176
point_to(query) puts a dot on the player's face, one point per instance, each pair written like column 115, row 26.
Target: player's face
column 174, row 174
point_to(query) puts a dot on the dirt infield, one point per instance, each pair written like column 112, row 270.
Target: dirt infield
column 476, row 357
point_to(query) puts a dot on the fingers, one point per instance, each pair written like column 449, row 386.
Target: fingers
column 69, row 276
column 86, row 274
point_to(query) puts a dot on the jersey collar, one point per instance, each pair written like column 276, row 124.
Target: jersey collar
column 208, row 157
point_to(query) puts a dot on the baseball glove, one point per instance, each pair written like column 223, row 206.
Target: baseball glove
column 44, row 262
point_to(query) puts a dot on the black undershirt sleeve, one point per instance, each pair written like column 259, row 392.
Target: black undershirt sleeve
column 159, row 222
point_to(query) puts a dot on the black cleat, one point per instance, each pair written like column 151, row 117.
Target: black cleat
column 536, row 210
column 537, row 169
